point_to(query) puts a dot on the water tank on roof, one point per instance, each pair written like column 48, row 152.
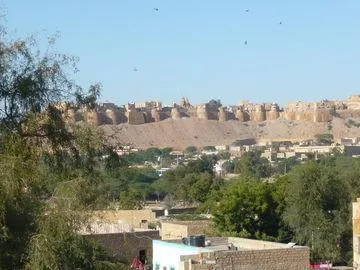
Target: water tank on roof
column 197, row 240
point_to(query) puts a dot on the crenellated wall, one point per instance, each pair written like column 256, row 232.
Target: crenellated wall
column 155, row 115
column 175, row 113
column 222, row 114
column 259, row 115
column 146, row 112
column 135, row 117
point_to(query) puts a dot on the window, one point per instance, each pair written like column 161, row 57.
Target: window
column 142, row 256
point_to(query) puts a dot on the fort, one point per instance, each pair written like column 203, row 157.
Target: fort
column 153, row 111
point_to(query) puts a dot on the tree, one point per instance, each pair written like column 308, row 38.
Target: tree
column 190, row 150
column 209, row 148
column 47, row 174
column 130, row 199
column 318, row 203
column 151, row 154
column 159, row 187
column 284, row 166
column 248, row 209
column 325, row 139
column 188, row 183
column 215, row 103
column 252, row 165
column 123, row 179
column 224, row 155
column 200, row 189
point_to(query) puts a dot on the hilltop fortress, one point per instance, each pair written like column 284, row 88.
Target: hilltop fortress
column 153, row 111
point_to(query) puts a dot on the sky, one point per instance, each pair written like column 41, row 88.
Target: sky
column 165, row 49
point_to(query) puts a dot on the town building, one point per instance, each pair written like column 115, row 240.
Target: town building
column 220, row 168
column 221, row 147
column 178, row 229
column 128, row 246
column 198, row 253
column 356, row 233
column 124, row 234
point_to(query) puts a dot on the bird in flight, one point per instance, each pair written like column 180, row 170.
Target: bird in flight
column 156, row 9
column 280, row 22
column 135, row 69
column 245, row 42
column 247, row 10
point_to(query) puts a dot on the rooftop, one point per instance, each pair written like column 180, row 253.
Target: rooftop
column 236, row 243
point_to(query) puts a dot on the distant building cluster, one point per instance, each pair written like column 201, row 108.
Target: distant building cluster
column 138, row 113
column 302, row 152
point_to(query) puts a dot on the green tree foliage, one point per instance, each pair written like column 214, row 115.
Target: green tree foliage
column 310, row 205
column 200, row 188
column 209, row 148
column 215, row 103
column 318, row 202
column 248, row 208
column 188, row 183
column 229, row 166
column 352, row 123
column 224, row 155
column 324, row 139
column 285, row 165
column 237, row 143
column 190, row 150
column 252, row 165
column 122, row 180
column 130, row 199
column 48, row 173
column 149, row 155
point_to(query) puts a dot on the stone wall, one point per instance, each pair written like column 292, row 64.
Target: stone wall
column 254, row 244
column 223, row 115
column 201, row 112
column 147, row 112
column 175, row 113
column 356, row 232
column 273, row 113
column 204, row 111
column 135, row 117
column 114, row 117
column 92, row 117
column 103, row 227
column 242, row 116
column 174, row 211
column 155, row 115
column 269, row 259
column 353, row 103
column 135, row 218
column 126, row 246
column 97, row 117
column 171, row 230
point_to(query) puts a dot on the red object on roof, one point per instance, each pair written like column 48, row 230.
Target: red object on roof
column 137, row 264
column 320, row 266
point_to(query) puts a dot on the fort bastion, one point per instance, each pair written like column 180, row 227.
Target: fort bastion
column 154, row 111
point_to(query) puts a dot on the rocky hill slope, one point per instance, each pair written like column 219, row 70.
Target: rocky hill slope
column 181, row 133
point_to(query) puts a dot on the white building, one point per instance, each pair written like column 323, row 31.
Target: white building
column 228, row 253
